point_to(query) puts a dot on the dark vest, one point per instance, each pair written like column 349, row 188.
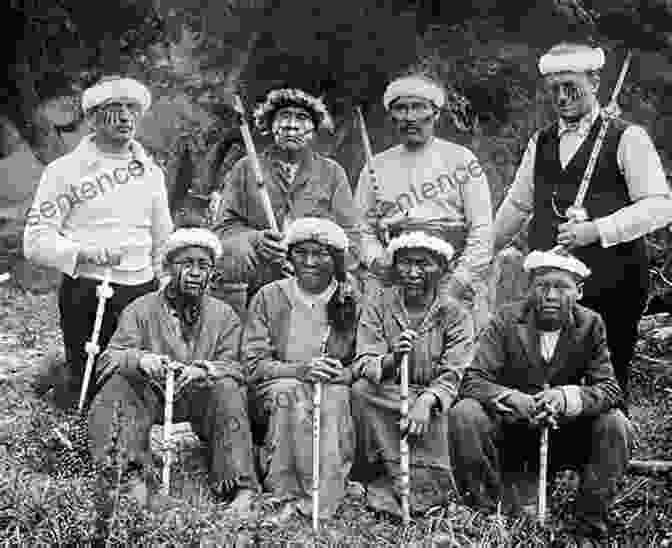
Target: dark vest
column 608, row 192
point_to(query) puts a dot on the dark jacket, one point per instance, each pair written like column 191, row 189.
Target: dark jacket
column 509, row 357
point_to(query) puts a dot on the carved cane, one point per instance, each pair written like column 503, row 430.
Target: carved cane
column 404, row 451
column 104, row 292
column 168, row 428
column 317, row 410
column 543, row 469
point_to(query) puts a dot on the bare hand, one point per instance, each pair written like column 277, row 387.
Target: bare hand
column 549, row 405
column 188, row 374
column 417, row 423
column 271, row 247
column 324, row 369
column 517, row 406
column 404, row 344
column 101, row 256
column 572, row 234
column 153, row 365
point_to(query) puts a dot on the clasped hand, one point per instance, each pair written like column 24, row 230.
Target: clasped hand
column 544, row 407
column 100, row 256
column 156, row 366
column 324, row 370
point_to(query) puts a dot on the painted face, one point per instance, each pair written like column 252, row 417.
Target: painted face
column 418, row 271
column 293, row 128
column 313, row 264
column 553, row 293
column 117, row 120
column 414, row 119
column 573, row 94
column 190, row 270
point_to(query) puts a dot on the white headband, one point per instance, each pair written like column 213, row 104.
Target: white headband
column 116, row 88
column 192, row 237
column 414, row 86
column 548, row 259
column 415, row 240
column 320, row 230
column 565, row 58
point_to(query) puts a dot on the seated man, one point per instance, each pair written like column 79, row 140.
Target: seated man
column 300, row 182
column 301, row 331
column 411, row 317
column 179, row 324
column 548, row 339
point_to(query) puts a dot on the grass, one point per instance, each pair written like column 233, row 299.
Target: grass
column 39, row 508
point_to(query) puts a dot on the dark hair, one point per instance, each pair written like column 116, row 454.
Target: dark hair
column 341, row 308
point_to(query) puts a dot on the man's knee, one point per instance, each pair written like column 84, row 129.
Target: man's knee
column 469, row 415
column 612, row 426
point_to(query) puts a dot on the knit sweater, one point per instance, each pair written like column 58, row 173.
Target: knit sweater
column 88, row 197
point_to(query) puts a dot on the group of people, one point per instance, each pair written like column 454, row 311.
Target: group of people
column 349, row 286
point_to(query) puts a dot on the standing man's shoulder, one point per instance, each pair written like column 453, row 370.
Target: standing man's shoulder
column 388, row 154
column 329, row 164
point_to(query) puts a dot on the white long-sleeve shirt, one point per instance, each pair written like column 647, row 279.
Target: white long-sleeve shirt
column 88, row 197
column 441, row 181
column 642, row 169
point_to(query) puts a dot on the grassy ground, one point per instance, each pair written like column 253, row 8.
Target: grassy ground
column 39, row 509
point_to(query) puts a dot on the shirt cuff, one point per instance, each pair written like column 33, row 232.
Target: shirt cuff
column 573, row 398
column 609, row 235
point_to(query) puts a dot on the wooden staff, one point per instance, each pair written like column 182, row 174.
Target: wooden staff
column 317, row 409
column 168, row 448
column 256, row 165
column 543, row 470
column 381, row 231
column 404, row 451
column 104, row 292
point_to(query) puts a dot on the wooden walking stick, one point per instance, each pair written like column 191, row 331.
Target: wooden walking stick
column 168, row 428
column 104, row 292
column 404, row 451
column 381, row 231
column 549, row 422
column 256, row 165
column 317, row 409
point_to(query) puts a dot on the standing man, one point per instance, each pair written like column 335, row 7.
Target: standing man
column 102, row 205
column 628, row 196
column 300, row 183
column 430, row 182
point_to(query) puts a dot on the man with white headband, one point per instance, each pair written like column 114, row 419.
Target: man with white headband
column 628, row 196
column 300, row 183
column 411, row 317
column 430, row 182
column 102, row 205
column 547, row 339
column 179, row 325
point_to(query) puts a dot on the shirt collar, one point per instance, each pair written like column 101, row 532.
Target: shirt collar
column 310, row 300
column 93, row 156
column 582, row 127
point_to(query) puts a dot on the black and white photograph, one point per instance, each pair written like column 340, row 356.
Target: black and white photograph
column 287, row 273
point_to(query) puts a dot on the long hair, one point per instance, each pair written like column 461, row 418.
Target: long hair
column 342, row 307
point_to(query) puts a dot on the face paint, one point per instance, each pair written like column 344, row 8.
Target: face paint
column 314, row 265
column 117, row 121
column 414, row 119
column 553, row 293
column 191, row 268
column 418, row 270
column 572, row 95
column 293, row 128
